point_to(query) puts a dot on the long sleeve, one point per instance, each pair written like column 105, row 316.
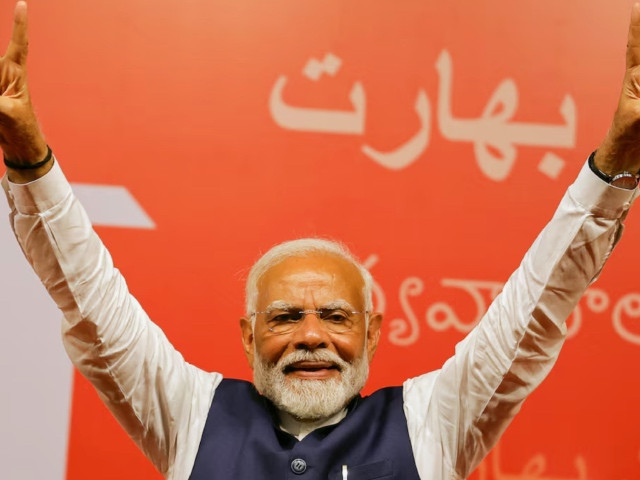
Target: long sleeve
column 457, row 414
column 160, row 400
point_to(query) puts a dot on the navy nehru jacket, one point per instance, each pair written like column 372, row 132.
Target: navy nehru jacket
column 241, row 440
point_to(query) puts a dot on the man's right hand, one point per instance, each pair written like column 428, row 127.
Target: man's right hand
column 620, row 150
column 21, row 139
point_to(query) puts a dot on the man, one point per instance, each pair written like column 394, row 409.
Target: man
column 309, row 331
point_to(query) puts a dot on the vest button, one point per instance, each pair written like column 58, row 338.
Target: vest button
column 298, row 466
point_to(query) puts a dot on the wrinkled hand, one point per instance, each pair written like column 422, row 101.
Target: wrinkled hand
column 620, row 150
column 20, row 136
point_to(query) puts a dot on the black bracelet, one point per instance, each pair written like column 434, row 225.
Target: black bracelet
column 596, row 170
column 29, row 166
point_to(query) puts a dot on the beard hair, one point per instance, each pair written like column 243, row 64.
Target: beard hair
column 310, row 400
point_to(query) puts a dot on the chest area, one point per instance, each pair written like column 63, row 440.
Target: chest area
column 240, row 440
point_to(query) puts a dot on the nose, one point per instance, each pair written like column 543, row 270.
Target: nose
column 311, row 334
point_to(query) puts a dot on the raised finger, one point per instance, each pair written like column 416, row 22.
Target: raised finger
column 18, row 46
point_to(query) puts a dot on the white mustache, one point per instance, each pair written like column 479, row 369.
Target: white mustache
column 308, row 356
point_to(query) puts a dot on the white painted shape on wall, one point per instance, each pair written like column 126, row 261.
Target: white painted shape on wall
column 112, row 206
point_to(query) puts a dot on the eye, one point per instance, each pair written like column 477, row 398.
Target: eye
column 285, row 317
column 334, row 316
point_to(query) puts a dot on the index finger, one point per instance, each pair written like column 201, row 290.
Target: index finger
column 18, row 46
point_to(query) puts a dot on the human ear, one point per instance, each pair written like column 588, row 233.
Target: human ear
column 373, row 333
column 247, row 339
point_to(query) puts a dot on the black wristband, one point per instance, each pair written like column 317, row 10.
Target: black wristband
column 596, row 170
column 29, row 166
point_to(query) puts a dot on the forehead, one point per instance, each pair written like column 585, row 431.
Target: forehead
column 312, row 280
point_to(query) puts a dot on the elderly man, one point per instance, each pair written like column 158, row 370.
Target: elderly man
column 310, row 331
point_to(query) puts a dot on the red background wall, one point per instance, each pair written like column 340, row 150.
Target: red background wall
column 171, row 99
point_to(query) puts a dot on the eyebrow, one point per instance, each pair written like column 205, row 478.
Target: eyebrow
column 339, row 304
column 280, row 305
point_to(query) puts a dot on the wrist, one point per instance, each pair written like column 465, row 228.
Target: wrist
column 25, row 149
column 621, row 179
column 21, row 171
column 619, row 151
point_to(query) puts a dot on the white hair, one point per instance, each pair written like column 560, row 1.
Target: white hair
column 302, row 247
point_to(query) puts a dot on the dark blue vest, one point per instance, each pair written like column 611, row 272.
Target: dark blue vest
column 240, row 441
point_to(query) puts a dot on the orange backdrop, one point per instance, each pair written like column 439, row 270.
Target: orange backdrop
column 434, row 138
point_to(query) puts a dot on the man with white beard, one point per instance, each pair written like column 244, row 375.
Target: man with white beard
column 310, row 331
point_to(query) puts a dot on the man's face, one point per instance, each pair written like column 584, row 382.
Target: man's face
column 311, row 371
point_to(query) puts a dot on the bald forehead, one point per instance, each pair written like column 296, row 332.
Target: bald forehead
column 316, row 279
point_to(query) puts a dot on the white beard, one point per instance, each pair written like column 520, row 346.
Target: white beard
column 310, row 400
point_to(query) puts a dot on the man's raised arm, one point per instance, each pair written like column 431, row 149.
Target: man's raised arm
column 461, row 411
column 159, row 399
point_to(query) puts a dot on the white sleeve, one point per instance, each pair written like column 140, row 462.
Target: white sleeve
column 457, row 414
column 160, row 400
